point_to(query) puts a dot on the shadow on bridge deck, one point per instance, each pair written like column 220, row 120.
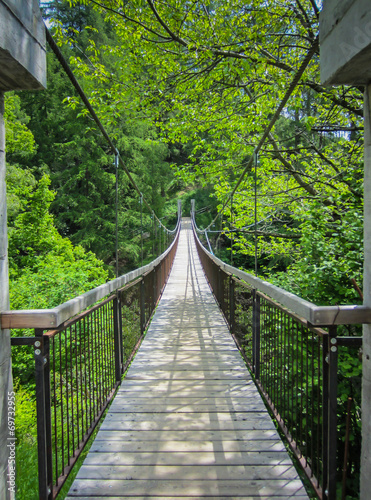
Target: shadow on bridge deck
column 188, row 421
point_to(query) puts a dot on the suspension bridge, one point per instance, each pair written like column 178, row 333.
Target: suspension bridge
column 182, row 417
column 188, row 420
column 178, row 356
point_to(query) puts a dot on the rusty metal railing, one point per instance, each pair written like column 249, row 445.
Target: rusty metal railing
column 292, row 353
column 79, row 363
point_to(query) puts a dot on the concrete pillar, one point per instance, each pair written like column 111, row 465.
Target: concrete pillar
column 22, row 67
column 366, row 381
column 5, row 363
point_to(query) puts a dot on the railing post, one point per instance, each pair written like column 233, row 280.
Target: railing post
column 325, row 414
column 117, row 332
column 231, row 304
column 256, row 333
column 218, row 287
column 44, row 440
column 332, row 412
column 142, row 307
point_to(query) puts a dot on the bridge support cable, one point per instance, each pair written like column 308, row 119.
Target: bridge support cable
column 141, row 229
column 93, row 114
column 312, row 50
column 116, row 215
column 231, row 232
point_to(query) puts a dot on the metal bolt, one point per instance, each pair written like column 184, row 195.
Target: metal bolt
column 326, row 359
column 333, row 341
column 45, row 361
column 334, row 349
column 37, row 343
column 37, row 352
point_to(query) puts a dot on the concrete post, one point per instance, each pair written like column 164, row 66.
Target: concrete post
column 366, row 381
column 5, row 364
column 22, row 67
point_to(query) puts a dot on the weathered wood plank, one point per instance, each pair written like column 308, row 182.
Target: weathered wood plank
column 204, row 435
column 297, row 496
column 265, row 447
column 120, row 424
column 283, row 488
column 189, row 472
column 108, row 457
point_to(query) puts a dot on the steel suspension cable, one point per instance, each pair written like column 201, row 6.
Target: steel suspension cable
column 290, row 90
column 86, row 101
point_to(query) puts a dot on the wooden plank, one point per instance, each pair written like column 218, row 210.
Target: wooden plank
column 183, row 408
column 121, row 424
column 297, row 496
column 103, row 471
column 194, row 435
column 198, row 489
column 208, row 383
column 230, row 374
column 265, row 447
column 176, row 458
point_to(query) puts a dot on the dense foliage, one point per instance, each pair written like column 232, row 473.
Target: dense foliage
column 210, row 74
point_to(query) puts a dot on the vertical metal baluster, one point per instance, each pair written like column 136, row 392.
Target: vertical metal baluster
column 48, row 416
column 98, row 354
column 91, row 367
column 319, row 408
column 97, row 384
column 300, row 332
column 55, row 414
column 109, row 350
column 78, row 355
column 294, row 384
column 325, row 413
column 112, row 330
column 72, row 392
column 82, row 381
column 86, row 357
column 121, row 339
column 61, row 384
column 232, row 292
column 110, row 342
column 309, row 430
column 313, row 431
column 111, row 369
column 332, row 433
column 269, row 336
column 41, row 415
column 275, row 365
column 283, row 367
column 142, row 307
column 67, row 396
column 102, row 334
column 280, row 349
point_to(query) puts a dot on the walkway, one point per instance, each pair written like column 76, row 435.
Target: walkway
column 187, row 421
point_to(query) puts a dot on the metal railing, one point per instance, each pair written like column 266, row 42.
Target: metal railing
column 292, row 353
column 80, row 362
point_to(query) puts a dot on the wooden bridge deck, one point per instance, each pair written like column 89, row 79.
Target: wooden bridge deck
column 188, row 421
